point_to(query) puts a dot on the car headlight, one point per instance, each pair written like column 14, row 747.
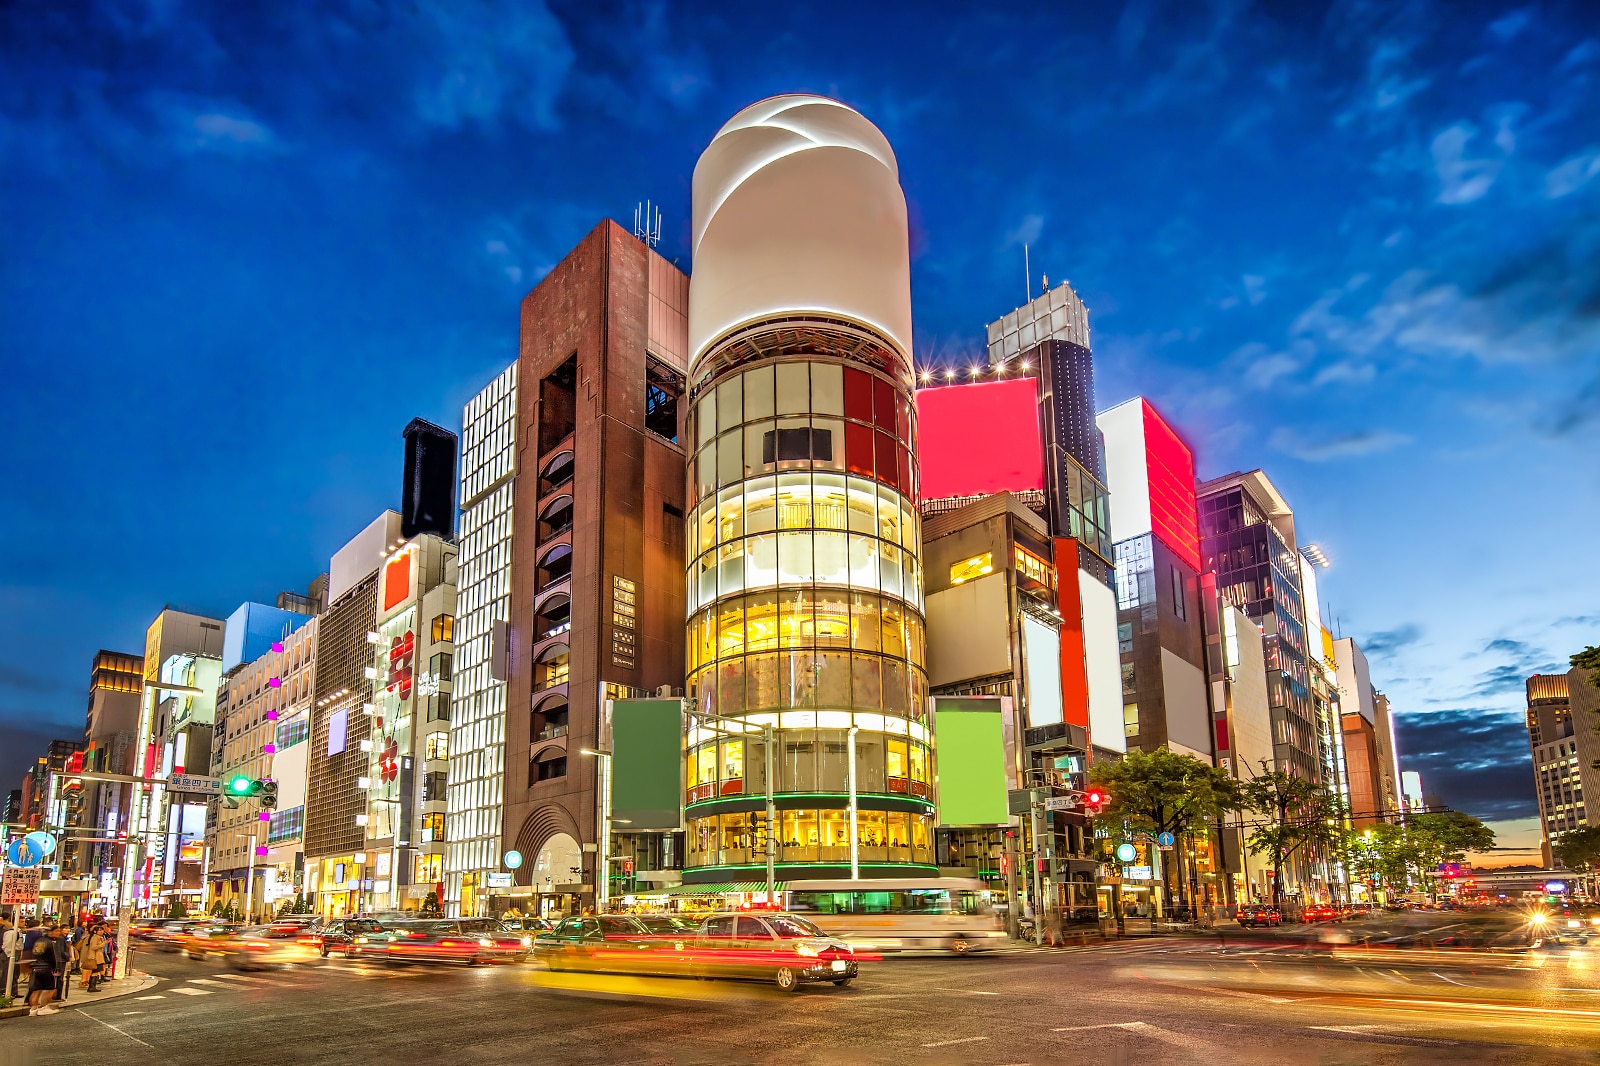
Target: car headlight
column 485, row 942
column 805, row 949
column 527, row 941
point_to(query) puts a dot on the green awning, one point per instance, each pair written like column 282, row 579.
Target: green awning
column 718, row 888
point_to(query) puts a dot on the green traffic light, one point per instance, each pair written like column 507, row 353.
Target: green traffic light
column 239, row 785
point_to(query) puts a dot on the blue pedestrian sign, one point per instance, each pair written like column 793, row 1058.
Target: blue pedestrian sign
column 25, row 851
column 1166, row 840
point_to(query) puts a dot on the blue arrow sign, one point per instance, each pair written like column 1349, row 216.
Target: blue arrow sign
column 1166, row 840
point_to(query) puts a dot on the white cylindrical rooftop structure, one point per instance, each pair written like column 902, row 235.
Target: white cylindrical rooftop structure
column 798, row 210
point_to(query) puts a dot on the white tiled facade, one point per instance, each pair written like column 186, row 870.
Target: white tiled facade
column 478, row 713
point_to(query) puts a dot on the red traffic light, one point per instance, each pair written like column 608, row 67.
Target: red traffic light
column 1094, row 799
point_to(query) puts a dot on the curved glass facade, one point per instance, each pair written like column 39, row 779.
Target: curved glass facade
column 805, row 613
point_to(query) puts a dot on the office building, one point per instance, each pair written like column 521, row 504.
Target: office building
column 263, row 723
column 804, row 583
column 1242, row 720
column 1566, row 782
column 1372, row 767
column 428, row 497
column 334, row 832
column 111, row 728
column 477, row 711
column 596, row 515
column 1156, row 538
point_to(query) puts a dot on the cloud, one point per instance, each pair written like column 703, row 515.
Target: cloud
column 23, row 680
column 1572, row 175
column 1027, row 231
column 222, row 127
column 1507, row 26
column 1473, row 759
column 1461, row 180
column 492, row 63
column 1345, row 372
column 1347, row 446
column 1520, row 661
column 1389, row 641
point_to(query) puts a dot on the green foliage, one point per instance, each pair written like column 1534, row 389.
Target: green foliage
column 1587, row 659
column 176, row 910
column 1408, row 853
column 430, row 907
column 301, row 904
column 1163, row 792
column 1579, row 849
column 1298, row 816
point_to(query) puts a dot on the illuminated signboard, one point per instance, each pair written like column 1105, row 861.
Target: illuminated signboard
column 976, row 439
column 397, row 579
column 1173, row 513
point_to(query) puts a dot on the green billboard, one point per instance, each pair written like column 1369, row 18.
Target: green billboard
column 970, row 741
column 647, row 764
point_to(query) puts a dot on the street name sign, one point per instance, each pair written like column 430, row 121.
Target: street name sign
column 195, row 784
column 1062, row 803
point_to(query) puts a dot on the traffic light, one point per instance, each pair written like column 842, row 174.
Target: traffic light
column 241, row 785
column 269, row 794
column 1094, row 800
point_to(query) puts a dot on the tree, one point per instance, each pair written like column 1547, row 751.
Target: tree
column 1587, row 659
column 1579, row 849
column 176, row 910
column 1163, row 792
column 430, row 907
column 1301, row 816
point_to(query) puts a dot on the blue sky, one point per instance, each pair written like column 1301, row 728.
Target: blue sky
column 1357, row 245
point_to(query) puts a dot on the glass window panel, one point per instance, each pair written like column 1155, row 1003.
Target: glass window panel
column 834, row 827
column 761, row 621
column 897, row 765
column 889, row 576
column 869, row 762
column 894, row 639
column 761, row 682
column 863, row 506
column 730, row 514
column 794, row 558
column 801, row 838
column 730, row 568
column 707, row 419
column 908, row 526
column 799, row 773
column 857, row 394
column 732, row 760
column 708, row 577
column 797, row 679
column 896, row 691
column 833, row 759
column 730, row 458
column 889, row 514
column 827, row 444
column 761, row 505
column 754, row 441
column 730, row 403
column 761, row 561
column 919, row 695
column 883, row 412
column 793, row 392
column 915, row 650
column 828, row 508
column 885, row 460
column 706, row 635
column 706, row 763
column 866, row 628
column 706, row 692
column 832, row 614
column 919, row 762
column 866, row 683
column 827, row 388
column 863, row 562
column 833, row 679
column 858, row 448
column 832, row 563
column 707, row 470
column 874, row 844
column 730, row 687
column 794, row 501
column 794, row 619
column 758, row 393
column 730, row 627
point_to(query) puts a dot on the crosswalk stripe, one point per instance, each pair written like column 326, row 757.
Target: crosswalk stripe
column 194, row 991
column 205, row 981
column 149, row 997
column 242, row 977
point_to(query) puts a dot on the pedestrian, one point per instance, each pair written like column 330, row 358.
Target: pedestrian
column 91, row 956
column 61, row 956
column 10, row 944
column 41, row 981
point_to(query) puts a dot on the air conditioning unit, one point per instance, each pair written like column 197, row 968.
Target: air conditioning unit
column 663, row 691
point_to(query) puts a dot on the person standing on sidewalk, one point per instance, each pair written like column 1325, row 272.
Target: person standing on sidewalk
column 91, row 955
column 41, row 984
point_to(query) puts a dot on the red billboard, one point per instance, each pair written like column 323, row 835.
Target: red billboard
column 976, row 439
column 1174, row 516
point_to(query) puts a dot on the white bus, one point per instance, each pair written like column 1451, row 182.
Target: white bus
column 902, row 914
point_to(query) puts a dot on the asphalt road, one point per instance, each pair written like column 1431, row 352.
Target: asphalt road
column 1245, row 999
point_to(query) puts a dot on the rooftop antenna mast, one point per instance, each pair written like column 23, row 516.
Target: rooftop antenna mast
column 647, row 224
column 1027, row 278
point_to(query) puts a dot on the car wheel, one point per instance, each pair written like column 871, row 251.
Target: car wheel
column 840, row 982
column 324, row 950
column 786, row 979
column 960, row 945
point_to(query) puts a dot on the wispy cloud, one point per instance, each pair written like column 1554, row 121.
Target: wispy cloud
column 1389, row 641
column 1573, row 174
column 491, row 63
column 1345, row 446
column 1461, row 179
column 1473, row 759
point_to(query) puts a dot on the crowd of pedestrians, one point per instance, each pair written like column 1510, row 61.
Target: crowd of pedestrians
column 42, row 957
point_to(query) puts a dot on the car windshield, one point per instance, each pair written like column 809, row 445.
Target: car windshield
column 664, row 924
column 421, row 928
column 481, row 926
column 789, row 927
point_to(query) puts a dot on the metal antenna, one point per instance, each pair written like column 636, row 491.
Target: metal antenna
column 1027, row 278
column 647, row 224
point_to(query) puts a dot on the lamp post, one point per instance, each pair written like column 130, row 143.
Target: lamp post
column 602, row 872
column 850, row 777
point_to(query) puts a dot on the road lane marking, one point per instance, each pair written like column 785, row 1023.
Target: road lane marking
column 114, row 1029
column 149, row 997
column 206, row 981
column 959, row 1040
column 1106, row 1025
column 242, row 977
column 1452, row 980
column 193, row 991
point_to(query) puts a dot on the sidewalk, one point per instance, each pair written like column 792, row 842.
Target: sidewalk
column 137, row 981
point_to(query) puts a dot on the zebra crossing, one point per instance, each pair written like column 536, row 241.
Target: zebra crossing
column 293, row 978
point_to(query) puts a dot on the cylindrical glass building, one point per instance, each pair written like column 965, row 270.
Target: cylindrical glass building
column 804, row 575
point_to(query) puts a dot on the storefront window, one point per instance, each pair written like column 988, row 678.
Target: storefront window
column 701, row 840
column 732, row 765
column 898, row 765
column 801, row 836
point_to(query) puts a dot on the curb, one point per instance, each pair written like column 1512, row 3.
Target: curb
column 138, row 981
